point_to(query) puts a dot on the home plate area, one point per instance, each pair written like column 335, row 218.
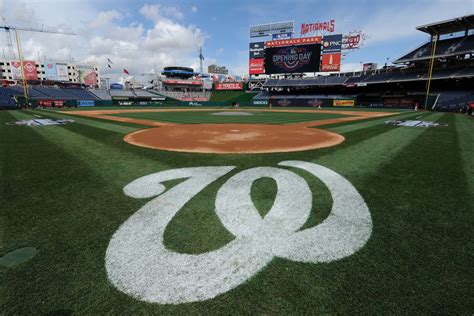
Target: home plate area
column 232, row 113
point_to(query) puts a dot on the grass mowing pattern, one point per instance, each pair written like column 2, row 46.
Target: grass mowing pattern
column 61, row 192
column 208, row 117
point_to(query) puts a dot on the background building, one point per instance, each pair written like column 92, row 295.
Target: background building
column 214, row 69
column 50, row 70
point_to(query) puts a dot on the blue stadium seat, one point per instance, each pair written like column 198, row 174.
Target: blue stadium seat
column 55, row 93
column 6, row 99
column 81, row 94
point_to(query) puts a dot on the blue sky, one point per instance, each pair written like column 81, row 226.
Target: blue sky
column 139, row 35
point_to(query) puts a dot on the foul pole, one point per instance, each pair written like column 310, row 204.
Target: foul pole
column 430, row 69
column 20, row 55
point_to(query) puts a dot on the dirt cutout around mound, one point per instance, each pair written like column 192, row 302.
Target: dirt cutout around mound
column 232, row 138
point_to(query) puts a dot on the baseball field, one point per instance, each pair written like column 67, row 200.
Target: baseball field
column 236, row 211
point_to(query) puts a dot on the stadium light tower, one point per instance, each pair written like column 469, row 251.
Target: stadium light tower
column 7, row 29
column 201, row 58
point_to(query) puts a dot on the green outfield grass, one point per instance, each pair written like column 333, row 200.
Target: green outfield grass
column 211, row 117
column 62, row 193
column 340, row 108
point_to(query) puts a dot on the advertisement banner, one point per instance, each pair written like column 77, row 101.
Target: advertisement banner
column 332, row 43
column 184, row 82
column 302, row 58
column 343, row 103
column 87, row 75
column 256, row 66
column 85, row 103
column 294, row 41
column 257, row 50
column 29, row 68
column 271, row 28
column 62, row 71
column 50, row 71
column 353, row 40
column 317, row 27
column 296, row 102
column 51, row 103
column 369, row 66
column 229, row 86
column 282, row 36
column 331, row 62
column 15, row 68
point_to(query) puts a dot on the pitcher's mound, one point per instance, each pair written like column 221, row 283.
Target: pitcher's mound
column 234, row 138
column 232, row 113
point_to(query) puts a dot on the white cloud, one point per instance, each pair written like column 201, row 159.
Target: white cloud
column 155, row 11
column 151, row 11
column 103, row 34
column 194, row 9
column 173, row 12
column 105, row 17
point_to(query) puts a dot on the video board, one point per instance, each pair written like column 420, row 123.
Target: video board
column 292, row 59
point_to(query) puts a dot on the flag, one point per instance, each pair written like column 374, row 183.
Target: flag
column 126, row 71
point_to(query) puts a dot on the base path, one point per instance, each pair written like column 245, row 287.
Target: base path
column 233, row 138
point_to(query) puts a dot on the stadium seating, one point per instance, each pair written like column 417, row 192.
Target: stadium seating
column 11, row 91
column 6, row 101
column 289, row 82
column 121, row 93
column 465, row 72
column 356, row 79
column 101, row 94
column 55, row 93
column 81, row 94
column 453, row 101
column 271, row 83
column 335, row 80
column 263, row 95
column 41, row 92
column 34, row 94
column 313, row 81
column 143, row 93
column 410, row 75
column 380, row 77
column 186, row 96
column 444, row 47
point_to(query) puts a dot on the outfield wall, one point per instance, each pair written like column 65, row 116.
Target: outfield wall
column 242, row 101
column 312, row 102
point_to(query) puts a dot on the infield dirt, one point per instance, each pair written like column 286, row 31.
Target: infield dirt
column 232, row 138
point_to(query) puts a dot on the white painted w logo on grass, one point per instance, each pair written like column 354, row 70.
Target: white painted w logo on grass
column 138, row 263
